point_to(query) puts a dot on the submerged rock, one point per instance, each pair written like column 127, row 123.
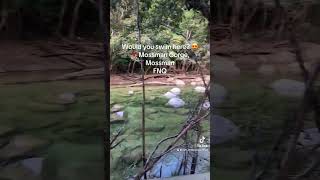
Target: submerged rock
column 169, row 164
column 219, row 94
column 309, row 137
column 176, row 102
column 22, row 145
column 33, row 164
column 66, row 98
column 223, row 67
column 289, row 88
column 223, row 130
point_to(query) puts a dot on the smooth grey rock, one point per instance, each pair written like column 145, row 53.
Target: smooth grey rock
column 309, row 137
column 67, row 98
column 219, row 94
column 223, row 130
column 22, row 145
column 170, row 95
column 176, row 102
column 170, row 164
column 116, row 108
column 33, row 164
column 225, row 68
column 176, row 91
column 200, row 89
column 289, row 88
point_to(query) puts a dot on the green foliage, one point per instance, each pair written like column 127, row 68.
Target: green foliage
column 162, row 22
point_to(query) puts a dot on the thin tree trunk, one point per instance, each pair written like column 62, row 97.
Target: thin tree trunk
column 75, row 18
column 61, row 16
column 143, row 89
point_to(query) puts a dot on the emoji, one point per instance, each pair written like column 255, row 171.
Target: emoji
column 194, row 46
column 134, row 55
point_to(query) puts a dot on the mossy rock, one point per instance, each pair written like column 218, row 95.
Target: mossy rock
column 116, row 108
column 115, row 119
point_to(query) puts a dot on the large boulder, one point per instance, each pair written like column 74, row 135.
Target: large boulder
column 176, row 102
column 219, row 94
column 33, row 164
column 66, row 98
column 170, row 95
column 116, row 108
column 176, row 91
column 222, row 67
column 309, row 137
column 22, row 145
column 223, row 130
column 288, row 87
column 200, row 89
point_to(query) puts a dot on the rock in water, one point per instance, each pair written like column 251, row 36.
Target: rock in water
column 169, row 95
column 223, row 67
column 22, row 145
column 120, row 114
column 34, row 165
column 289, row 88
column 219, row 94
column 200, row 89
column 116, row 108
column 176, row 102
column 309, row 137
column 180, row 83
column 67, row 98
column 176, row 91
column 223, row 130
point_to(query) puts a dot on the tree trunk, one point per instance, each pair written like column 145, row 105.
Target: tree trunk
column 143, row 88
column 75, row 18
